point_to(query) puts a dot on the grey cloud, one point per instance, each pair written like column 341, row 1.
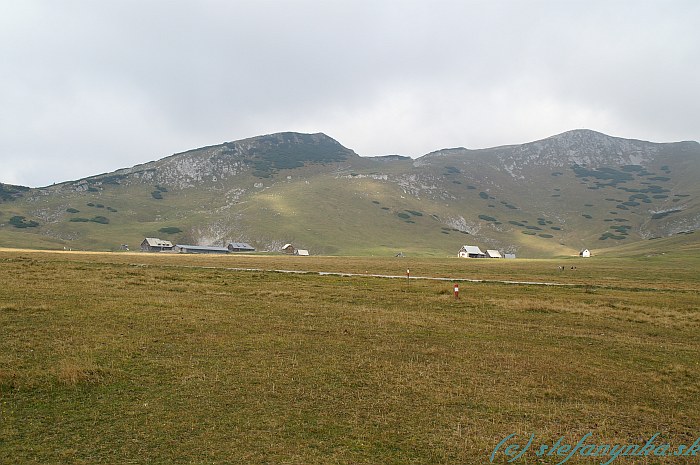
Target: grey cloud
column 89, row 87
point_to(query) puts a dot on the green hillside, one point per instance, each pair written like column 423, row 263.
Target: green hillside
column 546, row 198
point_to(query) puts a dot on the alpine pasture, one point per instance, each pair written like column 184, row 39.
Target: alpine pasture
column 163, row 358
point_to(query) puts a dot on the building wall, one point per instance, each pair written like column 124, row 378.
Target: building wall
column 196, row 251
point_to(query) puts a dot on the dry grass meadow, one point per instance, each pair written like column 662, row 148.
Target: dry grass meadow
column 137, row 358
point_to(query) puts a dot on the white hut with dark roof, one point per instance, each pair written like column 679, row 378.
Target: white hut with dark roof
column 153, row 244
column 471, row 251
column 493, row 253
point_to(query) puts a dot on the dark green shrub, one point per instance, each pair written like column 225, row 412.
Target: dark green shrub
column 288, row 151
column 21, row 222
column 637, row 196
column 658, row 216
column 611, row 174
column 170, row 230
column 8, row 192
column 113, row 179
column 632, row 168
column 609, row 235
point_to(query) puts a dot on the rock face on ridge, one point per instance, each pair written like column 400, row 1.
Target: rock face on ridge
column 264, row 155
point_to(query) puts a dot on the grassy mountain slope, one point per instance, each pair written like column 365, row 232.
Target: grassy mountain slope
column 546, row 198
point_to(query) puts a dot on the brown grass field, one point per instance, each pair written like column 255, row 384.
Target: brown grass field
column 151, row 358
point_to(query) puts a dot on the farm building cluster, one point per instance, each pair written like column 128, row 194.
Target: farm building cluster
column 154, row 244
column 289, row 249
column 473, row 251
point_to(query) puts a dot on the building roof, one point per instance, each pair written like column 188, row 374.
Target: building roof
column 155, row 242
column 240, row 245
column 287, row 245
column 302, row 252
column 493, row 253
column 202, row 247
column 472, row 250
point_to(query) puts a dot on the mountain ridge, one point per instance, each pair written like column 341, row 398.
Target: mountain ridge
column 546, row 197
column 561, row 136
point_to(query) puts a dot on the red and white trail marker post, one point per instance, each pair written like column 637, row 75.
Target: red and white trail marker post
column 456, row 291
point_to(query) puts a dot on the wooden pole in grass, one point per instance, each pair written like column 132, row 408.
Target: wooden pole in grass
column 408, row 278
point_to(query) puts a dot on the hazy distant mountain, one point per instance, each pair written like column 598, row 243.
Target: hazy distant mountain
column 549, row 197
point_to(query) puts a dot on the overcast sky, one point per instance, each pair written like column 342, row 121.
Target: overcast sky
column 88, row 87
